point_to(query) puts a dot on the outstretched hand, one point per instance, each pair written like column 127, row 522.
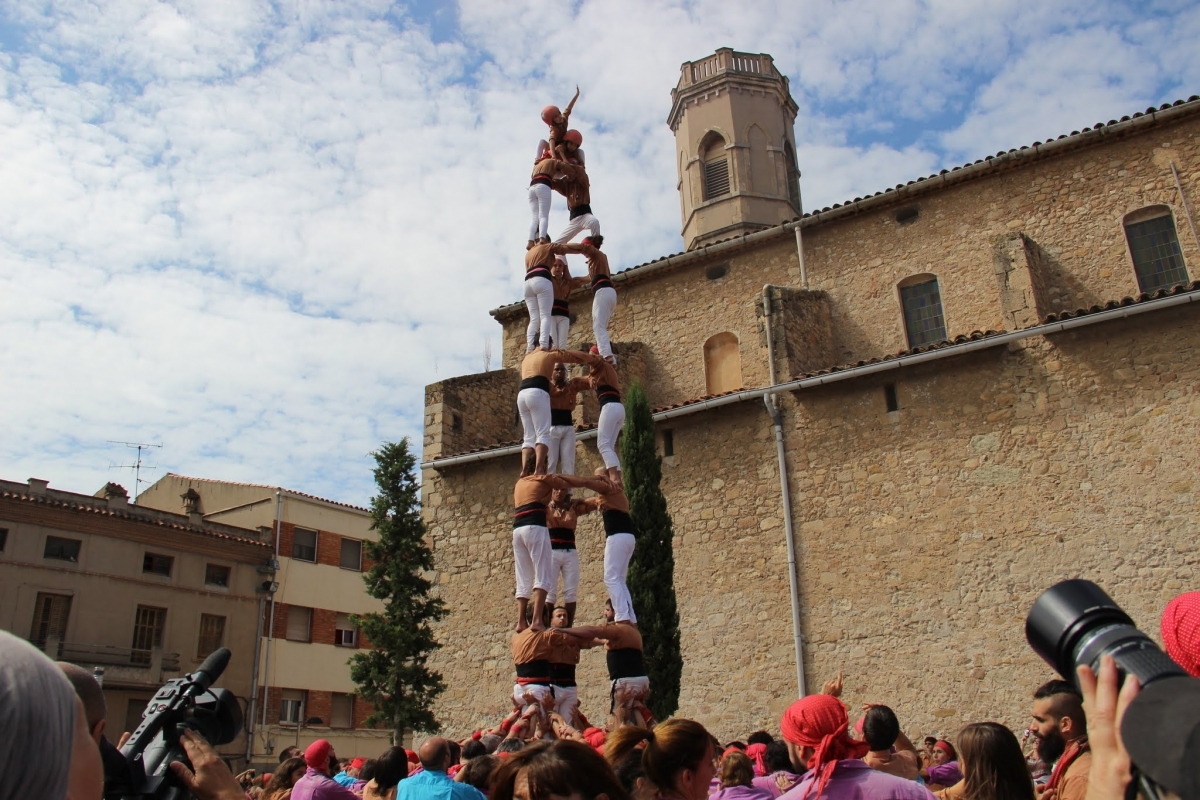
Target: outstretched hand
column 211, row 780
column 833, row 686
column 1104, row 707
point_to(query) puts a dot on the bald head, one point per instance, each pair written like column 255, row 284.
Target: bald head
column 90, row 694
column 435, row 754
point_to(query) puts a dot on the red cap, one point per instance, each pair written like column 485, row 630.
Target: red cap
column 549, row 114
column 412, row 757
column 477, row 735
column 317, row 754
column 357, row 763
column 574, row 137
column 587, row 240
column 594, row 349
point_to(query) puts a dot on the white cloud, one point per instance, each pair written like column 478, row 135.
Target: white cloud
column 256, row 230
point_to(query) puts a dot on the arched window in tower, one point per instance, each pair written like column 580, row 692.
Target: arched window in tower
column 722, row 363
column 793, row 177
column 1154, row 247
column 924, row 321
column 714, row 161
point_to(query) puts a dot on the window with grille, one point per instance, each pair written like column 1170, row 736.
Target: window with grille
column 352, row 554
column 157, row 565
column 341, row 711
column 291, row 706
column 212, row 635
column 304, row 545
column 345, row 634
column 299, row 624
column 62, row 549
column 148, row 625
column 1154, row 245
column 216, row 575
column 923, row 318
column 716, row 177
column 50, row 614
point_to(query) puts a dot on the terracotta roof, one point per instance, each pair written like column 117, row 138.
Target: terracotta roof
column 957, row 340
column 82, row 504
column 280, row 488
column 916, row 185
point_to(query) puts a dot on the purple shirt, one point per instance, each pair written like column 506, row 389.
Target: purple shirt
column 946, row 774
column 854, row 780
column 741, row 793
column 319, row 786
column 768, row 783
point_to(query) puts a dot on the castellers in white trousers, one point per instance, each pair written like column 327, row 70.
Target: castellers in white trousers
column 604, row 302
column 539, row 300
column 533, row 405
column 612, row 420
column 539, row 208
column 577, row 226
column 561, row 460
column 618, row 549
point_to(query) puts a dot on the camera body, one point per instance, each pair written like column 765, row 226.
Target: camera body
column 181, row 703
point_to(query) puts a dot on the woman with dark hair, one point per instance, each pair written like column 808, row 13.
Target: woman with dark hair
column 632, row 776
column 943, row 770
column 390, row 768
column 478, row 771
column 780, row 776
column 283, row 779
column 993, row 765
column 562, row 768
column 737, row 778
column 677, row 756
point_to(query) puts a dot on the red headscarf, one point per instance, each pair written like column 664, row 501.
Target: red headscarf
column 819, row 721
column 757, row 753
column 1181, row 631
column 596, row 738
column 946, row 748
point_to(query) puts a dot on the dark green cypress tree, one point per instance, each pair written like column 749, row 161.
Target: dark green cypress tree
column 652, row 569
column 394, row 675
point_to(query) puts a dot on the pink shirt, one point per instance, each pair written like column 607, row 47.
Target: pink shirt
column 854, row 780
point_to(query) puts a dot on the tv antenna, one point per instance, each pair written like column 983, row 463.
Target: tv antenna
column 137, row 465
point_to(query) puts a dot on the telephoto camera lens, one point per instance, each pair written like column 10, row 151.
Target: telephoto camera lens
column 1075, row 623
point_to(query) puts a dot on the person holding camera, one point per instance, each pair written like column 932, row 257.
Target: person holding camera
column 1060, row 726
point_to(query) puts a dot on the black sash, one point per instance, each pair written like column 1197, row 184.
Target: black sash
column 562, row 674
column 562, row 538
column 618, row 522
column 607, row 394
column 560, row 309
column 626, row 663
column 580, row 210
column 536, row 382
column 602, row 282
column 561, row 416
column 529, row 514
column 539, row 271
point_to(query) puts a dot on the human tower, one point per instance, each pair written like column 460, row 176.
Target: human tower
column 546, row 646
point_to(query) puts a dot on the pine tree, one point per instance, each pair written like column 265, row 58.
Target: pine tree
column 652, row 569
column 394, row 675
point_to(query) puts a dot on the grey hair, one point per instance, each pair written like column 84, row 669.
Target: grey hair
column 37, row 712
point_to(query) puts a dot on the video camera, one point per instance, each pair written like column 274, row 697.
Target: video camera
column 1074, row 623
column 182, row 703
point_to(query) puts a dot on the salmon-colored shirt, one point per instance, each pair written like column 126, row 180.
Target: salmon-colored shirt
column 542, row 255
column 612, row 500
column 620, row 636
column 603, row 374
column 530, row 645
column 578, row 189
column 597, row 261
column 544, row 167
column 566, row 397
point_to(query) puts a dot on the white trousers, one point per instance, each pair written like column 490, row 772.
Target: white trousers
column 604, row 302
column 562, row 450
column 531, row 557
column 566, row 564
column 627, row 691
column 577, row 226
column 541, row 694
column 618, row 549
column 612, row 420
column 539, row 300
column 560, row 328
column 539, row 207
column 534, row 408
column 566, row 702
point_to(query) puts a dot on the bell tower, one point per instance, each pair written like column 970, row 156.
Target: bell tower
column 732, row 116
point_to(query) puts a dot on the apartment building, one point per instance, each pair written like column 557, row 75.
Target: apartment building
column 136, row 594
column 305, row 691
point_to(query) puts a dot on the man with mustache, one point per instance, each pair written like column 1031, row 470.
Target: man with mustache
column 1061, row 730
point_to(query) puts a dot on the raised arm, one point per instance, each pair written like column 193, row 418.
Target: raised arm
column 585, row 632
column 584, row 507
column 567, row 111
column 576, row 357
column 577, row 482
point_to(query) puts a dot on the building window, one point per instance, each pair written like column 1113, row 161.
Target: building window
column 3, row 538
column 50, row 614
column 668, row 439
column 304, row 545
column 352, row 554
column 148, row 625
column 157, row 565
column 1154, row 246
column 216, row 575
column 299, row 624
column 924, row 321
column 889, row 398
column 714, row 162
column 722, row 364
column 62, row 549
column 341, row 711
column 291, row 706
column 345, row 634
column 212, row 635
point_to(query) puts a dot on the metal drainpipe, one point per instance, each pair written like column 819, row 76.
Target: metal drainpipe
column 1186, row 208
column 262, row 605
column 271, row 624
column 785, row 493
column 800, row 258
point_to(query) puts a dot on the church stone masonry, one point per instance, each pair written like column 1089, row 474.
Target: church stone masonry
column 923, row 533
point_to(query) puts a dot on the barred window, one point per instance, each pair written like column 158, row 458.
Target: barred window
column 148, row 628
column 1154, row 247
column 212, row 635
column 924, row 321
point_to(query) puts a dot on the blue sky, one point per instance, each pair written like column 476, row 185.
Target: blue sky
column 253, row 231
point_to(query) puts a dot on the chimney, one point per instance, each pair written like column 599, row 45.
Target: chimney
column 191, row 501
column 38, row 486
column 115, row 494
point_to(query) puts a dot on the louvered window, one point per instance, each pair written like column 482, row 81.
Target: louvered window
column 716, row 177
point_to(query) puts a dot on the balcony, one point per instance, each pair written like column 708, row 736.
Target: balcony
column 124, row 667
column 725, row 61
